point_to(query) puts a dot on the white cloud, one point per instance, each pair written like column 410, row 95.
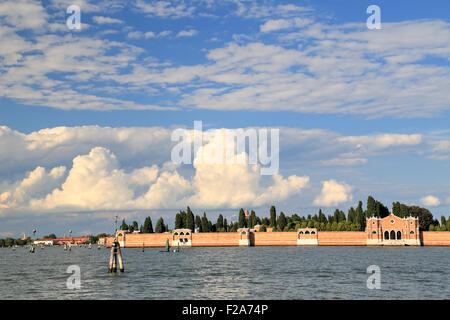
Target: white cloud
column 97, row 181
column 135, row 35
column 106, row 20
column 23, row 14
column 166, row 9
column 187, row 33
column 280, row 24
column 430, row 201
column 333, row 193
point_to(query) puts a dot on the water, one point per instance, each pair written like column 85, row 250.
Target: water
column 228, row 273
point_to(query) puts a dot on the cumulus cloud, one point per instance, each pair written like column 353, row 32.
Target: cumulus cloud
column 187, row 33
column 279, row 24
column 333, row 193
column 106, row 20
column 97, row 181
column 430, row 201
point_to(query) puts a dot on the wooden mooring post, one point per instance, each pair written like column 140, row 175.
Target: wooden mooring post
column 115, row 258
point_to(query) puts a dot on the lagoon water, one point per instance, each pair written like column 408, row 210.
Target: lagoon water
column 228, row 273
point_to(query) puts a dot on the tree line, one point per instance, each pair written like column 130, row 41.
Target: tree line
column 353, row 220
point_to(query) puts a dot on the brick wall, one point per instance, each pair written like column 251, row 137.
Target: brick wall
column 342, row 238
column 325, row 238
column 215, row 239
column 436, row 238
column 274, row 239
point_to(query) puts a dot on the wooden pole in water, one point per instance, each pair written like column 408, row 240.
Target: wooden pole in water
column 115, row 258
column 119, row 257
column 112, row 259
column 143, row 247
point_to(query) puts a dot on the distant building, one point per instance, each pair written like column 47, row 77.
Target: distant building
column 45, row 242
column 393, row 230
column 71, row 240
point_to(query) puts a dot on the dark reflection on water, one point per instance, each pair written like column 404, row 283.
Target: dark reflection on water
column 229, row 273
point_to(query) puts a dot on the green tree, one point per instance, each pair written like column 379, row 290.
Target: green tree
column 351, row 215
column 273, row 217
column 360, row 217
column 262, row 228
column 160, row 227
column 253, row 219
column 124, row 225
column 242, row 223
column 148, row 226
column 281, row 221
column 198, row 223
column 322, row 217
column 342, row 217
column 371, row 207
column 51, row 236
column 219, row 224
column 178, row 221
column 225, row 225
column 205, row 223
column 443, row 222
column 190, row 223
column 396, row 209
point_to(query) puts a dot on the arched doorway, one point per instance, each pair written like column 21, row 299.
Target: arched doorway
column 399, row 235
column 386, row 235
column 392, row 235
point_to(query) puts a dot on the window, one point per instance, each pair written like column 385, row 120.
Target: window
column 175, row 234
column 411, row 232
column 185, row 240
column 306, row 232
column 392, row 221
column 187, row 233
column 182, row 233
column 313, row 232
column 374, row 232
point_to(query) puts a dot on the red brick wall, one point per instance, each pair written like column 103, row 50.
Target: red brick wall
column 436, row 238
column 275, row 239
column 215, row 239
column 325, row 238
column 342, row 238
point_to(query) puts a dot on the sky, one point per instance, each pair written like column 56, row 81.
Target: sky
column 86, row 116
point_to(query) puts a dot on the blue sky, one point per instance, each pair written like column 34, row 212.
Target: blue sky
column 359, row 111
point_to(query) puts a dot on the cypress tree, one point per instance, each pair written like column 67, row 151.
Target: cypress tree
column 160, row 227
column 124, row 225
column 190, row 224
column 198, row 223
column 225, row 224
column 281, row 221
column 148, row 226
column 205, row 223
column 273, row 217
column 360, row 217
column 219, row 224
column 241, row 220
column 178, row 221
column 371, row 207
